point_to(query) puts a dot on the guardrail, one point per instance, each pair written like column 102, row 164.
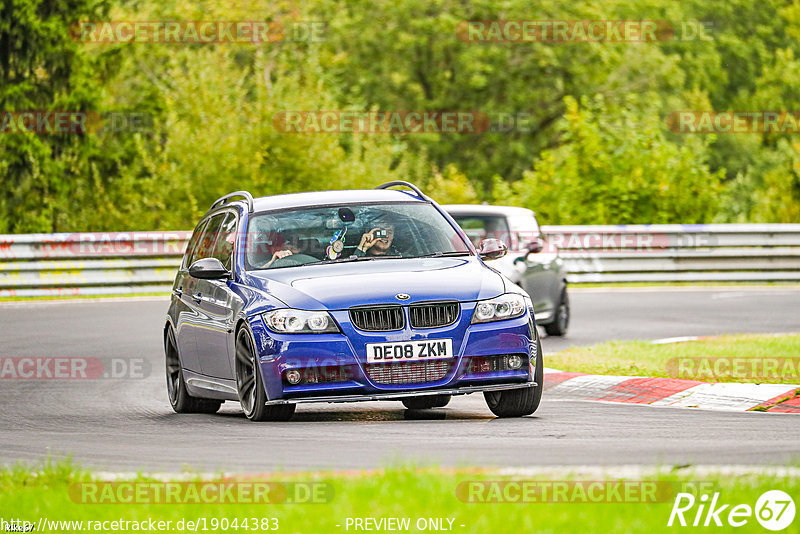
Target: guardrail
column 89, row 263
column 679, row 253
column 144, row 262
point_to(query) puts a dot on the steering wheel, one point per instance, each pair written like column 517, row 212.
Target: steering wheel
column 293, row 260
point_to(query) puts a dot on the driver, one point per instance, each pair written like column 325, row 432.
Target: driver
column 279, row 255
column 377, row 242
column 286, row 249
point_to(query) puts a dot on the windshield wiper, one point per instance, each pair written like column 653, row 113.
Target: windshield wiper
column 440, row 254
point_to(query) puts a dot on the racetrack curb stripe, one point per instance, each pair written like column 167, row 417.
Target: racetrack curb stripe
column 790, row 404
column 647, row 390
column 724, row 396
column 672, row 392
column 552, row 379
column 786, row 407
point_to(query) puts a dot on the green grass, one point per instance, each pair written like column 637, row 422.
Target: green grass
column 395, row 492
column 83, row 297
column 707, row 283
column 591, row 285
column 691, row 359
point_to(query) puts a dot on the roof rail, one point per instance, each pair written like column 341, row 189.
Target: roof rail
column 411, row 186
column 223, row 200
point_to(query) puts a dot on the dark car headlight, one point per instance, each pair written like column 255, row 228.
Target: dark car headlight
column 507, row 306
column 289, row 321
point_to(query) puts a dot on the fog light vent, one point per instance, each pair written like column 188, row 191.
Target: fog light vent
column 513, row 361
column 293, row 377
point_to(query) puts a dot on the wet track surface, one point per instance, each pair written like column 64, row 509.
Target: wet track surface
column 127, row 424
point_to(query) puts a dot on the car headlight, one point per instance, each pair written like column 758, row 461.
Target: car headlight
column 288, row 321
column 506, row 306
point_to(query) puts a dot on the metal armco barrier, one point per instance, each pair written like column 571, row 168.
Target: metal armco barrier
column 678, row 253
column 145, row 262
column 89, row 263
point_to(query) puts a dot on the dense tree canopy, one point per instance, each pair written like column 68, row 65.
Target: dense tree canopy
column 579, row 130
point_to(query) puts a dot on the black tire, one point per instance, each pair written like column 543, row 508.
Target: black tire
column 522, row 401
column 250, row 385
column 561, row 322
column 426, row 402
column 179, row 397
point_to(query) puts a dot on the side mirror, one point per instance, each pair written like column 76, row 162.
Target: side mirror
column 492, row 249
column 536, row 247
column 209, row 269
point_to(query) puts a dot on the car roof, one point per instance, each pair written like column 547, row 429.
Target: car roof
column 486, row 209
column 322, row 198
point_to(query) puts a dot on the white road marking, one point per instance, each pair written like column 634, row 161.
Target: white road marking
column 680, row 339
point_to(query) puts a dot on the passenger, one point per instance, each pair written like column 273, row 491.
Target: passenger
column 377, row 242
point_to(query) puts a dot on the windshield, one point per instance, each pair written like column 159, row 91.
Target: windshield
column 304, row 236
column 480, row 227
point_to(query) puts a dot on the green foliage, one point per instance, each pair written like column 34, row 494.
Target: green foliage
column 778, row 200
column 588, row 142
column 451, row 187
column 41, row 68
column 615, row 166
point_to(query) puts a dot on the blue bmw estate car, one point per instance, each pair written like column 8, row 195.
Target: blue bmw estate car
column 343, row 296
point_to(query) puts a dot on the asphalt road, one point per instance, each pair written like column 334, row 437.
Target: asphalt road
column 126, row 424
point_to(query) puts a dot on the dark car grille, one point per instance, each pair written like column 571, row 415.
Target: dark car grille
column 377, row 319
column 434, row 315
column 409, row 372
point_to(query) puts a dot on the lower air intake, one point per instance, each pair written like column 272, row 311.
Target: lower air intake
column 409, row 372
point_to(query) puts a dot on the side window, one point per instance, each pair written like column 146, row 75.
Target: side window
column 223, row 249
column 191, row 248
column 205, row 247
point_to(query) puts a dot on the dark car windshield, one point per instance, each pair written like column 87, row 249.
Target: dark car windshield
column 304, row 236
column 480, row 227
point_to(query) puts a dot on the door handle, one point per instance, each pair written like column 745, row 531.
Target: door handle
column 198, row 297
column 178, row 292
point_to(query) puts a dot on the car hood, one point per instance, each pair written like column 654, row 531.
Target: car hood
column 340, row 286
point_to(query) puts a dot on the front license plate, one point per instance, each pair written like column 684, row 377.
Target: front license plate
column 409, row 351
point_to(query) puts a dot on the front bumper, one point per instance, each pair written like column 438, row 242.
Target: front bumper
column 399, row 396
column 279, row 353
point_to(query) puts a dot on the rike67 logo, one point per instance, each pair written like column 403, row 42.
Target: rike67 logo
column 774, row 510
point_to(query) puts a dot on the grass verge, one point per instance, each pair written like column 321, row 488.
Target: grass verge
column 772, row 359
column 84, row 297
column 700, row 284
column 405, row 492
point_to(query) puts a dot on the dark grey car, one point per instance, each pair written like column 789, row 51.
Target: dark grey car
column 530, row 263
